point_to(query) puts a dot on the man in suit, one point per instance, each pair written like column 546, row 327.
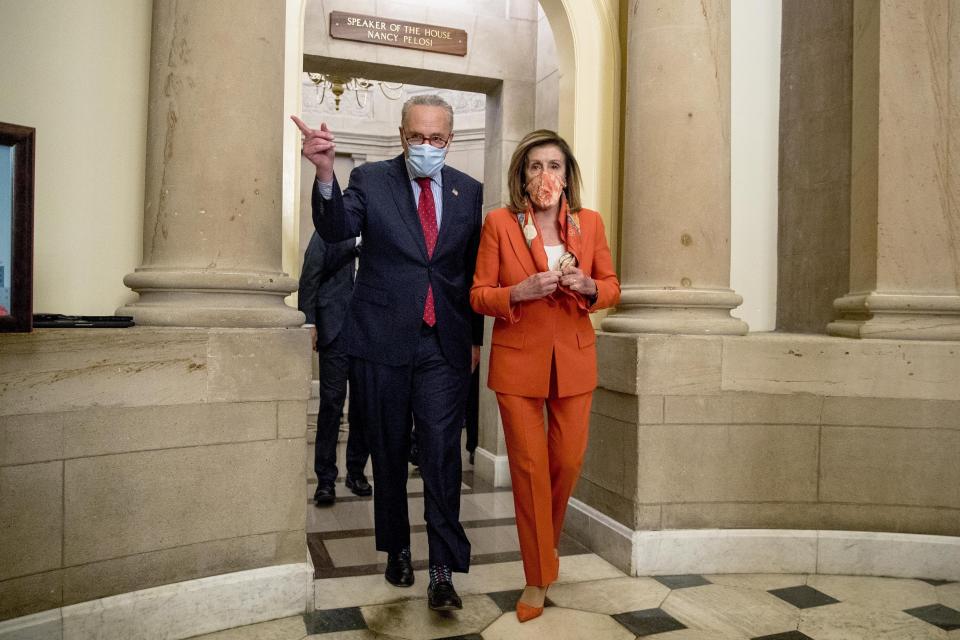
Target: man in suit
column 326, row 283
column 410, row 332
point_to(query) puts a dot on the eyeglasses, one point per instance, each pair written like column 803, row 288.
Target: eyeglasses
column 434, row 141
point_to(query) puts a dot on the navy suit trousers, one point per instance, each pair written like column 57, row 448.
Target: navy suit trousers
column 434, row 394
column 334, row 365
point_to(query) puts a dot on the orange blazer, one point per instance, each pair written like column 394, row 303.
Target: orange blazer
column 528, row 336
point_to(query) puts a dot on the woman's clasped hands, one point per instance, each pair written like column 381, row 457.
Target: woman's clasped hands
column 542, row 284
column 575, row 280
column 537, row 286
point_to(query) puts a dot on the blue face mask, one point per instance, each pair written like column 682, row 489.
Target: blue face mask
column 425, row 160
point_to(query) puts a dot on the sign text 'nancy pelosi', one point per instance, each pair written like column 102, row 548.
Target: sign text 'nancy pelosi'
column 398, row 33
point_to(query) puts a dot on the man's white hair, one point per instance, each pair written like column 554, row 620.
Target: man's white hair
column 427, row 100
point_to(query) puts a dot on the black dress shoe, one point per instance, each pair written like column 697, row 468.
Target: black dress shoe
column 414, row 456
column 325, row 495
column 358, row 484
column 399, row 571
column 443, row 597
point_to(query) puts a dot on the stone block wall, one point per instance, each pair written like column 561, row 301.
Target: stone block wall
column 775, row 431
column 132, row 458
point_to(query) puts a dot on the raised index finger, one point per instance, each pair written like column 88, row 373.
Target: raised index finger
column 307, row 131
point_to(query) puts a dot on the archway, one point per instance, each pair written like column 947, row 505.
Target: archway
column 588, row 46
column 589, row 51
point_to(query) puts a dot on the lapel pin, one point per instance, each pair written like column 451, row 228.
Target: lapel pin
column 455, row 192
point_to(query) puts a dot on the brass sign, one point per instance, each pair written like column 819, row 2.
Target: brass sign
column 398, row 33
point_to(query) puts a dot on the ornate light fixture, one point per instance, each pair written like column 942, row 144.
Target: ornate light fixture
column 338, row 84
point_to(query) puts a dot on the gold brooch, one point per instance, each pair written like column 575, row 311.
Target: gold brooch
column 567, row 260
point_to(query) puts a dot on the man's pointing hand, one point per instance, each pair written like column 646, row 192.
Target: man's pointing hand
column 318, row 148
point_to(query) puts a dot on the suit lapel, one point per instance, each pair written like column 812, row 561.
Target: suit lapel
column 403, row 196
column 520, row 246
column 450, row 210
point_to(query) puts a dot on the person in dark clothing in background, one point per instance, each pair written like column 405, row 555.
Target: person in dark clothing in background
column 326, row 284
column 472, row 422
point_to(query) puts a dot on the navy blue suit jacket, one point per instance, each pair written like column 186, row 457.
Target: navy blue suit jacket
column 326, row 282
column 386, row 310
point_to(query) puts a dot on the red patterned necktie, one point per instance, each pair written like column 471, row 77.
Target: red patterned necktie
column 427, row 209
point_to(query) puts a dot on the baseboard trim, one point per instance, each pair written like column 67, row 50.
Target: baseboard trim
column 176, row 611
column 492, row 468
column 46, row 625
column 674, row 552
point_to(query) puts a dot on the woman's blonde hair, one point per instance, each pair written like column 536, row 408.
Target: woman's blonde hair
column 516, row 181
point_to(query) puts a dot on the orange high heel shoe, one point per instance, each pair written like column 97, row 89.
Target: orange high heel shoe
column 527, row 612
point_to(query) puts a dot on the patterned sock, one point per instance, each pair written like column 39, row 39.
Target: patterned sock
column 440, row 573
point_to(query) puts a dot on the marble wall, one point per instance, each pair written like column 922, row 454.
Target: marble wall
column 505, row 74
column 490, row 24
column 548, row 76
column 139, row 457
column 775, row 431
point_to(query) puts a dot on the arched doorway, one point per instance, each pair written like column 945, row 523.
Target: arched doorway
column 588, row 54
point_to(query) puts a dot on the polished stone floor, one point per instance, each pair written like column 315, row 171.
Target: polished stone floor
column 591, row 600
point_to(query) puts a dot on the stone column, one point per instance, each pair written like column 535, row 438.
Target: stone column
column 675, row 257
column 905, row 183
column 212, row 209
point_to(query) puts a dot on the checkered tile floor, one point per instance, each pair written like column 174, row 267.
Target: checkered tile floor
column 592, row 599
column 722, row 607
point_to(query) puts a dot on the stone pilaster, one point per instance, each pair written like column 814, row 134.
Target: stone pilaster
column 212, row 210
column 904, row 217
column 675, row 262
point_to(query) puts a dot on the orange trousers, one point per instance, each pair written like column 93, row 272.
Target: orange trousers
column 544, row 467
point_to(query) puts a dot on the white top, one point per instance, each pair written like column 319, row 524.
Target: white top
column 554, row 251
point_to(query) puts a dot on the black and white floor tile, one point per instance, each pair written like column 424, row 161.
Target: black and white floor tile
column 591, row 599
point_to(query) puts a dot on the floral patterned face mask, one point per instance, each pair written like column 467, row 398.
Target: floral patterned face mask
column 545, row 189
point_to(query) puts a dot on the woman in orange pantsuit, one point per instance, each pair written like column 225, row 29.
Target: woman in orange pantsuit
column 543, row 266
